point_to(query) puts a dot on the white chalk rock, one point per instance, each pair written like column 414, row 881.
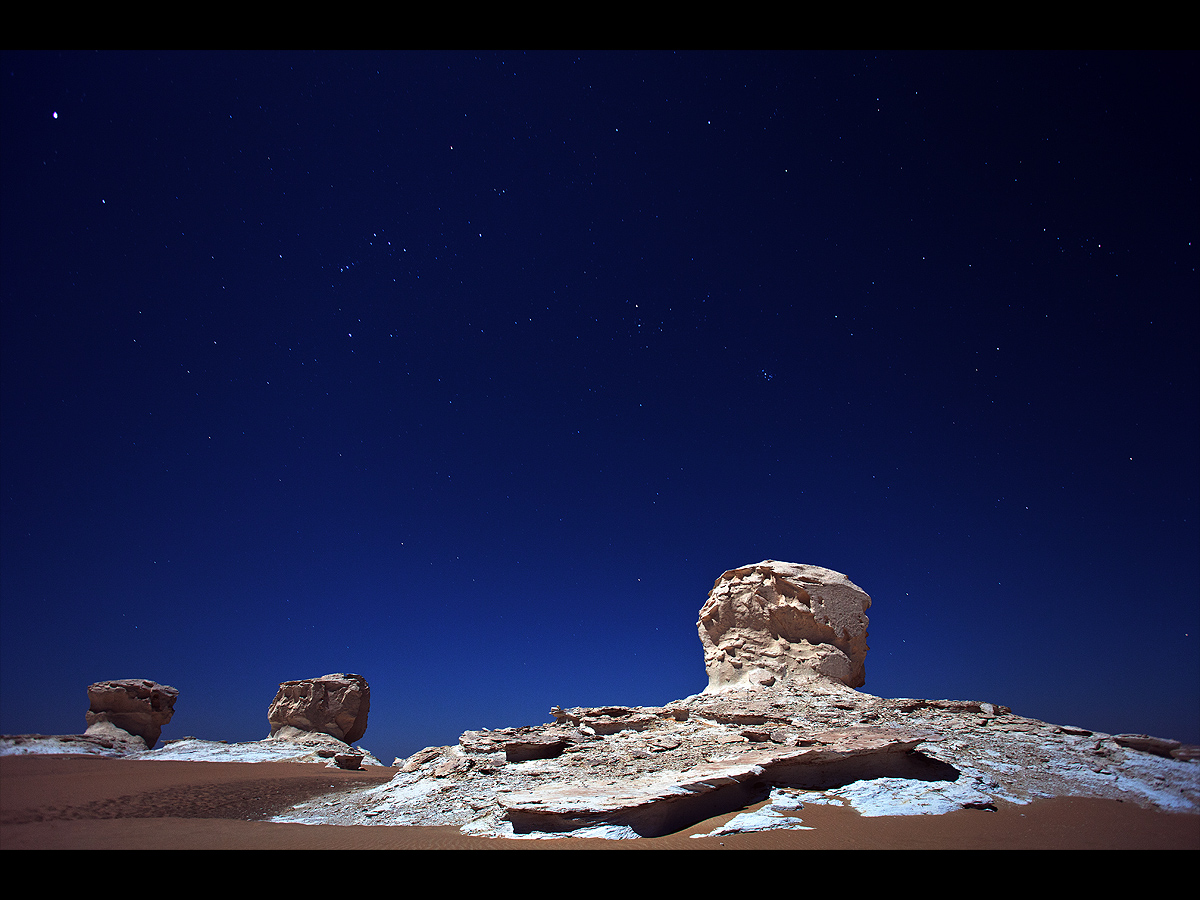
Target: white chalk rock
column 775, row 622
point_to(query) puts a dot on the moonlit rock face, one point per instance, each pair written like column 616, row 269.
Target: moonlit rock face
column 136, row 705
column 776, row 622
column 336, row 705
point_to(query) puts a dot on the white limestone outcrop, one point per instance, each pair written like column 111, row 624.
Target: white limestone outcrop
column 136, row 706
column 787, row 727
column 781, row 719
column 774, row 622
column 698, row 757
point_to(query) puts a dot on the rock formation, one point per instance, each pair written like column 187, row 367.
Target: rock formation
column 312, row 721
column 647, row 771
column 658, row 803
column 780, row 720
column 135, row 705
column 786, row 727
column 777, row 622
column 348, row 760
column 336, row 705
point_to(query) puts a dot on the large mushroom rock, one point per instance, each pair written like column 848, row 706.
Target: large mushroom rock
column 775, row 622
column 336, row 705
column 136, row 705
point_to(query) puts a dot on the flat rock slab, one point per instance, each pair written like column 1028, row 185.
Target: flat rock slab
column 659, row 804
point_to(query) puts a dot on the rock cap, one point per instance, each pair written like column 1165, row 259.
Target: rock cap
column 336, row 705
column 774, row 622
column 138, row 706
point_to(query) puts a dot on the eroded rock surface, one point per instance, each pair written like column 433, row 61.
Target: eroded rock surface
column 661, row 802
column 696, row 758
column 336, row 705
column 777, row 622
column 136, row 706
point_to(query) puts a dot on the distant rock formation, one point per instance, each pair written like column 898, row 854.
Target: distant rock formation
column 313, row 720
column 775, row 622
column 336, row 705
column 348, row 760
column 300, row 747
column 135, row 705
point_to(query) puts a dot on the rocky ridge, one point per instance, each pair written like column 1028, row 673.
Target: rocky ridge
column 643, row 771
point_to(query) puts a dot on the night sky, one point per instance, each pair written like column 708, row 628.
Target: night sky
column 469, row 372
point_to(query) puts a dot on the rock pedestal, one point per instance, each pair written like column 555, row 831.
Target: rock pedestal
column 136, row 705
column 336, row 705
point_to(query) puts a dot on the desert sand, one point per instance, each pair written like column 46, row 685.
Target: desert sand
column 77, row 802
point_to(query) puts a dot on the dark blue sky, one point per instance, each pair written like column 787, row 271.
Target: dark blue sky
column 470, row 372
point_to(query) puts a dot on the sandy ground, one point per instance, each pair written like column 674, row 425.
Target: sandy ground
column 75, row 802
